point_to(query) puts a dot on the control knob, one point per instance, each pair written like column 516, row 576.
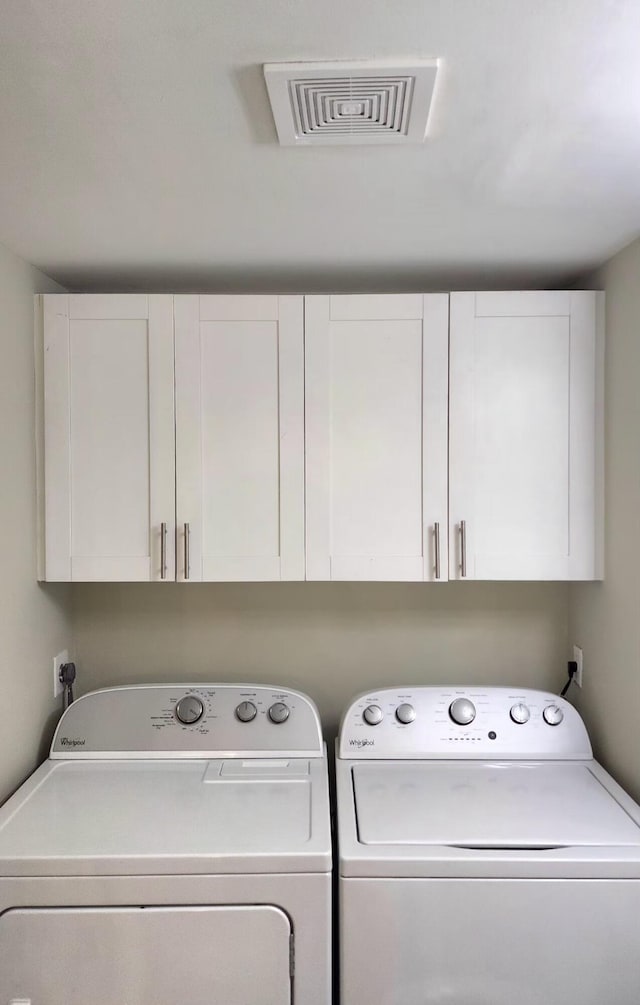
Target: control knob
column 462, row 711
column 405, row 713
column 246, row 711
column 520, row 713
column 189, row 710
column 373, row 715
column 279, row 712
column 553, row 715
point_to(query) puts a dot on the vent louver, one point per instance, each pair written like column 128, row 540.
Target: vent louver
column 354, row 103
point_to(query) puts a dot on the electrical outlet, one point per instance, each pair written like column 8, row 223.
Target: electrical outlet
column 577, row 656
column 58, row 661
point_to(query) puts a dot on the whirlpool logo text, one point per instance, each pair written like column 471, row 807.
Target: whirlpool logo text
column 361, row 743
column 66, row 742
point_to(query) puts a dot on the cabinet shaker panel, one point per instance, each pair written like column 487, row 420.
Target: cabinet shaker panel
column 109, row 469
column 525, row 461
column 239, row 437
column 376, row 437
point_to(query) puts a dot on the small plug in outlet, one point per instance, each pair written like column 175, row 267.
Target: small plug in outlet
column 58, row 661
column 577, row 655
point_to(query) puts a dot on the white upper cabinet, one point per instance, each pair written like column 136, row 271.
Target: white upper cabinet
column 369, row 437
column 376, row 437
column 525, row 462
column 239, row 437
column 109, row 475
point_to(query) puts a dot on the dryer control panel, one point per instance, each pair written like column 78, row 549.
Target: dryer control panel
column 465, row 723
column 189, row 720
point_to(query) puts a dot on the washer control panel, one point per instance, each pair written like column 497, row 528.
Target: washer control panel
column 189, row 720
column 454, row 722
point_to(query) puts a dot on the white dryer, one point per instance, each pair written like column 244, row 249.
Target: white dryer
column 175, row 847
column 485, row 857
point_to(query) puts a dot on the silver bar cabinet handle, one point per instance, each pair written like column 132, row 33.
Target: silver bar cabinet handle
column 187, row 564
column 436, row 548
column 463, row 548
column 163, row 551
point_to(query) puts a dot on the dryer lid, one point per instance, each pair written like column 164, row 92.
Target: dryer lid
column 174, row 816
column 482, row 805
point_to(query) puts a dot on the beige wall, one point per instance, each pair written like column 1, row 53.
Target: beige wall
column 605, row 617
column 34, row 620
column 330, row 639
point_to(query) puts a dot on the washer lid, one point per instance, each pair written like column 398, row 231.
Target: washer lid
column 487, row 805
column 176, row 816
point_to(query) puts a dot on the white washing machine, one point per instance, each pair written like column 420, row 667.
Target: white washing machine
column 175, row 847
column 485, row 857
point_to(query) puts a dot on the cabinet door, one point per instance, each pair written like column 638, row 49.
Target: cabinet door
column 108, row 436
column 239, row 437
column 525, row 428
column 376, row 437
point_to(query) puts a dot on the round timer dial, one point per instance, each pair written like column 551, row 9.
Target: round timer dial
column 462, row 711
column 553, row 715
column 246, row 711
column 520, row 713
column 189, row 710
column 373, row 715
column 279, row 712
column 405, row 713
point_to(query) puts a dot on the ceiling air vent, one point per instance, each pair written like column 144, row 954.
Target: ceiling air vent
column 354, row 103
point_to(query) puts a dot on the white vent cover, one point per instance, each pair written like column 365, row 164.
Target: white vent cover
column 328, row 103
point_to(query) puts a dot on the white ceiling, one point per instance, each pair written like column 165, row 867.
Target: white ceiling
column 138, row 147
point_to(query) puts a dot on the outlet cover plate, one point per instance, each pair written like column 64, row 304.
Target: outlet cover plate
column 59, row 661
column 577, row 656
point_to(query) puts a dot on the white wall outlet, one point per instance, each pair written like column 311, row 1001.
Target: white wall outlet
column 58, row 661
column 577, row 656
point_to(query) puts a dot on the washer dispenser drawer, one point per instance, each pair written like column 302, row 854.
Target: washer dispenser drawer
column 145, row 956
